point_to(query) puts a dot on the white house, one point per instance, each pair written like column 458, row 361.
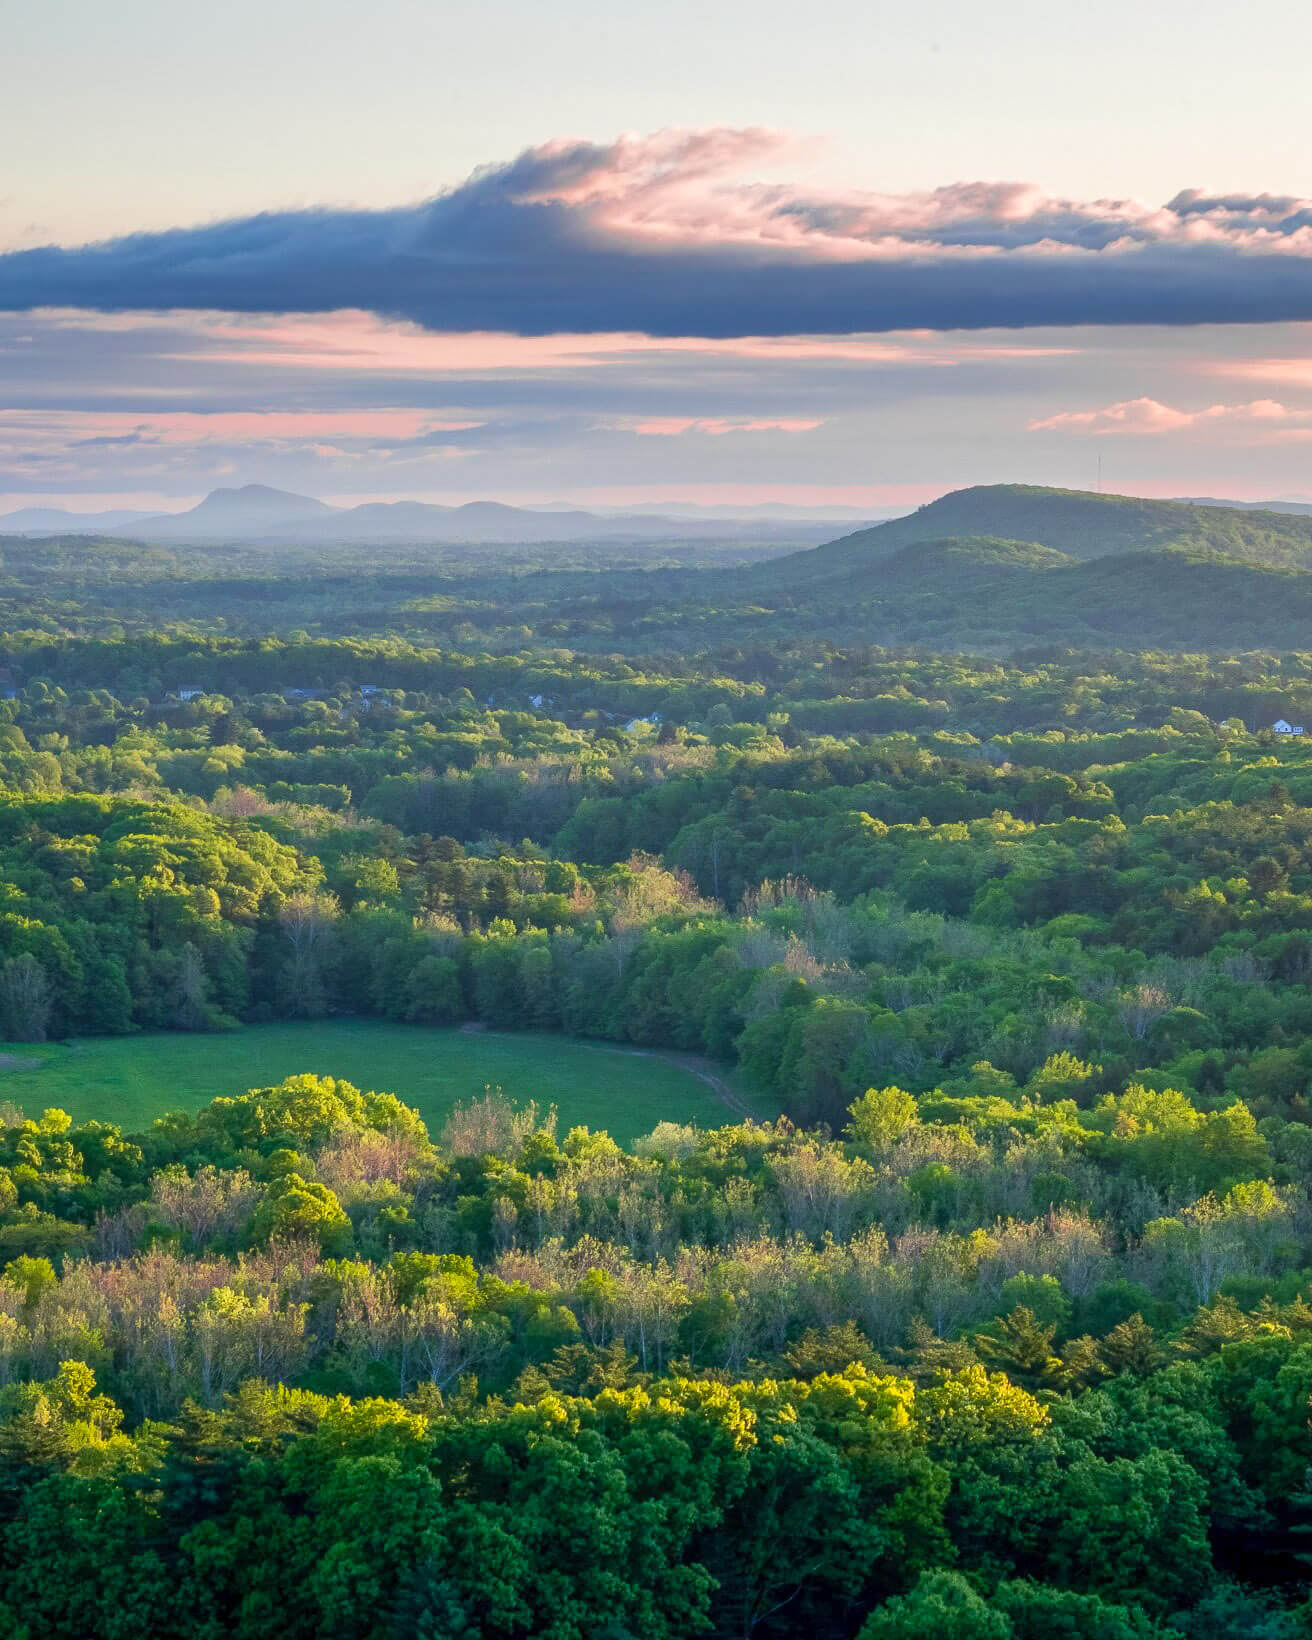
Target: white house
column 1281, row 727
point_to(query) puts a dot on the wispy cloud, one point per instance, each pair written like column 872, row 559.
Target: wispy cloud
column 1284, row 372
column 1147, row 418
column 256, row 426
column 666, row 236
column 717, row 426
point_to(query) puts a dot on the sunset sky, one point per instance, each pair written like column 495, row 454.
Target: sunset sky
column 842, row 253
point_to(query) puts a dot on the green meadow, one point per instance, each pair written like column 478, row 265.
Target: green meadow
column 131, row 1080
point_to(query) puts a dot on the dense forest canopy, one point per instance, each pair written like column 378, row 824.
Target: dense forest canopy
column 1002, row 1329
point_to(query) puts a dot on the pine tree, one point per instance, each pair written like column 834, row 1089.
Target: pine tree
column 1022, row 1347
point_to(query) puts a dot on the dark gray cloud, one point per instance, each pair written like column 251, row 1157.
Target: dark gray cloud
column 657, row 236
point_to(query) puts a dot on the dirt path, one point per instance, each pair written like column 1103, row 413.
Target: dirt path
column 703, row 1069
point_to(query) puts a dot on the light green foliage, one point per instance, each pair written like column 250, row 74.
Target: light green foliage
column 882, row 1116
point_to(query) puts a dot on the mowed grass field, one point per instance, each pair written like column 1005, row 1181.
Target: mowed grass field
column 131, row 1080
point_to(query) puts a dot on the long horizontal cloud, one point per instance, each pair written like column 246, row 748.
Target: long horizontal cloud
column 660, row 236
column 1149, row 418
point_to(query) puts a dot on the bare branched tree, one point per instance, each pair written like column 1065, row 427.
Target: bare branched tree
column 25, row 999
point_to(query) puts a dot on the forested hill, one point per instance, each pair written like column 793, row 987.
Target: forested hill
column 991, row 595
column 1075, row 522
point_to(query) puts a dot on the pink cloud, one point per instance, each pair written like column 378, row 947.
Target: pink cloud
column 357, row 341
column 1295, row 372
column 686, row 187
column 1147, row 418
column 359, row 344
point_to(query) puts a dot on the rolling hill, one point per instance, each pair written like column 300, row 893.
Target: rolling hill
column 1004, row 565
column 1075, row 522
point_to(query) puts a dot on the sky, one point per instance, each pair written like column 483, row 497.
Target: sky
column 848, row 253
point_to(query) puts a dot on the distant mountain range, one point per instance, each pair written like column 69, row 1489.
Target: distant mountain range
column 62, row 521
column 1249, row 506
column 255, row 513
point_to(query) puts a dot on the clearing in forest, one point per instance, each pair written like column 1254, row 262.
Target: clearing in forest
column 130, row 1080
